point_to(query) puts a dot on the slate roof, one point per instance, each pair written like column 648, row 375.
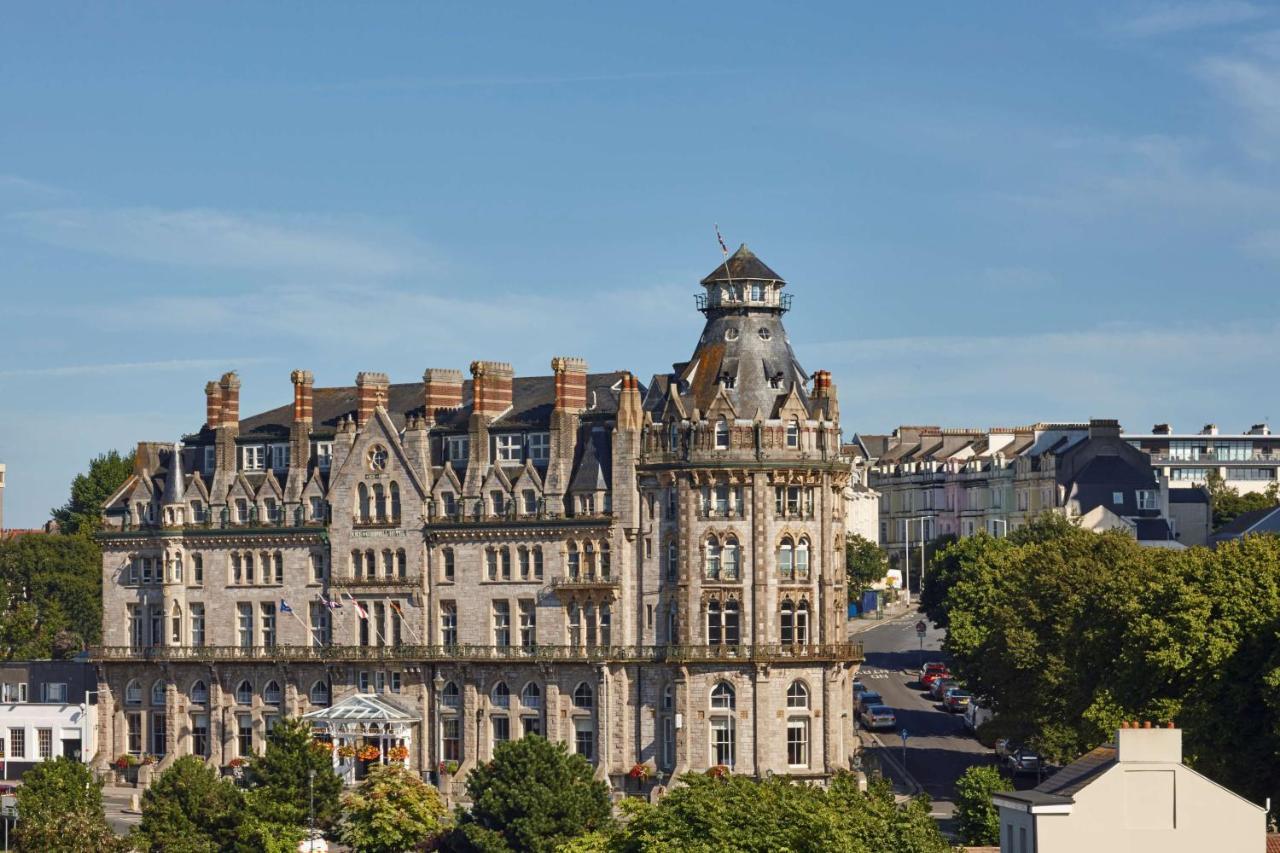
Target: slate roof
column 1071, row 779
column 533, row 398
column 742, row 265
column 1246, row 521
column 1193, row 495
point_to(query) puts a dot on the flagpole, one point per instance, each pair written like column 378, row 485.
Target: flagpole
column 368, row 618
column 724, row 250
column 295, row 615
column 404, row 622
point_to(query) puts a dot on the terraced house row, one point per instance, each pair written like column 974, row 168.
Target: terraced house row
column 650, row 573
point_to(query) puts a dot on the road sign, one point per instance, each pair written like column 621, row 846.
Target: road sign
column 905, row 735
column 921, row 627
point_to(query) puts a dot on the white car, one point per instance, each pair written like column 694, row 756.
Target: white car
column 976, row 714
column 314, row 844
column 878, row 717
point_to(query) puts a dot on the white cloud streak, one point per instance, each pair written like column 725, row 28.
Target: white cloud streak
column 93, row 369
column 197, row 237
column 1162, row 19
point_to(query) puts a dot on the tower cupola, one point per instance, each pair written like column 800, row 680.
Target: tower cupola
column 743, row 282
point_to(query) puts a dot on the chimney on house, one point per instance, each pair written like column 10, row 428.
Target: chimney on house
column 1147, row 744
column 441, row 390
column 230, row 409
column 212, row 405
column 371, row 392
column 490, row 387
column 1162, row 429
column 630, row 411
column 825, row 390
column 1209, row 429
column 571, row 383
column 1104, row 428
column 1259, row 429
column 303, row 385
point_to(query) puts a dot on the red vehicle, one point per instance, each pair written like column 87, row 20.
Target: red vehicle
column 928, row 677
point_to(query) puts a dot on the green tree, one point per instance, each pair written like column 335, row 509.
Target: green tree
column 60, row 810
column 282, row 776
column 535, row 796
column 189, row 810
column 977, row 817
column 61, row 577
column 738, row 813
column 864, row 563
column 82, row 513
column 1227, row 503
column 392, row 810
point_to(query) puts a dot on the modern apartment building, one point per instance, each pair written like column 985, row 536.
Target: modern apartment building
column 1247, row 462
column 47, row 710
column 934, row 481
column 647, row 573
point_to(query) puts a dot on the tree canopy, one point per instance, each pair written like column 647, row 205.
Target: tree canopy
column 977, row 817
column 532, row 796
column 864, row 562
column 60, row 810
column 705, row 814
column 391, row 811
column 188, row 809
column 1226, row 502
column 50, row 595
column 82, row 513
column 281, row 775
column 1070, row 632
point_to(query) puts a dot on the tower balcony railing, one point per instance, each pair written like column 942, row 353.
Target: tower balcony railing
column 771, row 653
column 409, row 581
column 585, row 580
column 223, row 519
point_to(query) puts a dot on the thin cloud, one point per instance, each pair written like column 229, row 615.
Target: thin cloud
column 197, row 237
column 500, row 80
column 93, row 369
column 1169, row 18
column 1254, row 89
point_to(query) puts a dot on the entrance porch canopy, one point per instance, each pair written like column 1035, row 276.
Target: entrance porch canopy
column 357, row 723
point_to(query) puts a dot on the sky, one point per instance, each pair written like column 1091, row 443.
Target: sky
column 987, row 214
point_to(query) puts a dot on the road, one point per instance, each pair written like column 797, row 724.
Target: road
column 939, row 748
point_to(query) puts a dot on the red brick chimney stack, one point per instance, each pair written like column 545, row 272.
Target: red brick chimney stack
column 230, row 408
column 490, row 387
column 441, row 390
column 371, row 392
column 303, row 383
column 571, row 383
column 212, row 405
column 821, row 383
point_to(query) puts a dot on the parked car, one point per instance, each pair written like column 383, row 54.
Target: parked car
column 976, row 713
column 929, row 678
column 869, row 698
column 858, row 687
column 940, row 686
column 878, row 717
column 1022, row 761
column 931, row 668
column 956, row 699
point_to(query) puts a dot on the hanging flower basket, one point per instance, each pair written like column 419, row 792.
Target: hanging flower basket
column 323, row 746
column 398, row 753
column 237, row 762
column 346, row 751
column 147, row 759
column 369, row 753
column 124, row 761
column 718, row 772
column 448, row 768
column 641, row 772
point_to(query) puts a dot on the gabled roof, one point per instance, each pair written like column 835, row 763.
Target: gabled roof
column 1246, row 522
column 365, row 708
column 742, row 265
column 1068, row 781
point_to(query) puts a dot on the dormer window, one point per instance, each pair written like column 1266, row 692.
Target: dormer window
column 764, row 333
column 279, row 457
column 507, row 447
column 253, row 457
column 757, row 292
column 539, row 444
column 793, row 433
column 324, row 455
column 210, row 458
column 722, row 434
column 457, row 447
column 726, row 380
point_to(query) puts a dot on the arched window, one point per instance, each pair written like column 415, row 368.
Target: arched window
column 722, row 434
column 379, row 503
column 731, row 614
column 583, row 696
column 175, row 625
column 668, row 698
column 757, row 292
column 244, row 693
column 802, row 559
column 388, row 563
column 278, row 562
column 356, row 568
column 199, row 693
column 713, row 557
column 715, row 628
column 271, row 693
column 606, row 625
column 531, row 696
column 362, row 506
column 575, row 561
column 502, row 695
column 802, row 623
column 787, row 613
column 798, row 695
column 793, row 433
column 606, row 560
column 723, row 697
column 673, row 436
column 133, row 693
column 395, row 501
column 450, row 697
column 785, row 552
column 157, row 693
column 320, row 693
column 729, row 559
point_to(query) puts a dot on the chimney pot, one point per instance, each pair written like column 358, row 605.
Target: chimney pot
column 1146, row 724
column 571, row 383
column 490, row 387
column 230, row 410
column 303, row 381
column 212, row 405
column 371, row 392
column 1169, row 725
column 441, row 389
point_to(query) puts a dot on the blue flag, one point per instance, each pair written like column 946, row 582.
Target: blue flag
column 284, row 606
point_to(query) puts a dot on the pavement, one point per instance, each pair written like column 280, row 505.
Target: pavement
column 938, row 747
column 116, row 800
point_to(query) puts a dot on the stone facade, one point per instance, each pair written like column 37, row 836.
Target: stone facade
column 650, row 574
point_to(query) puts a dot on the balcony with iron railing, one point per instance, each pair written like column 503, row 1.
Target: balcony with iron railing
column 772, row 653
column 585, row 581
column 223, row 521
column 408, row 581
column 477, row 513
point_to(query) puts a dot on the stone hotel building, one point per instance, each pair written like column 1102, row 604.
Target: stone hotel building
column 649, row 573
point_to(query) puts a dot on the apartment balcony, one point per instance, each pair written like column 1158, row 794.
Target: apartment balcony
column 585, row 582
column 774, row 653
column 1211, row 458
column 477, row 518
column 375, row 582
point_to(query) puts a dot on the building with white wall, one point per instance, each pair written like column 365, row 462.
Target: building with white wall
column 1247, row 461
column 46, row 710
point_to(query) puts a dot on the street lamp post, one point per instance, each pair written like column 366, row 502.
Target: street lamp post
column 311, row 820
column 438, row 684
column 906, row 579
